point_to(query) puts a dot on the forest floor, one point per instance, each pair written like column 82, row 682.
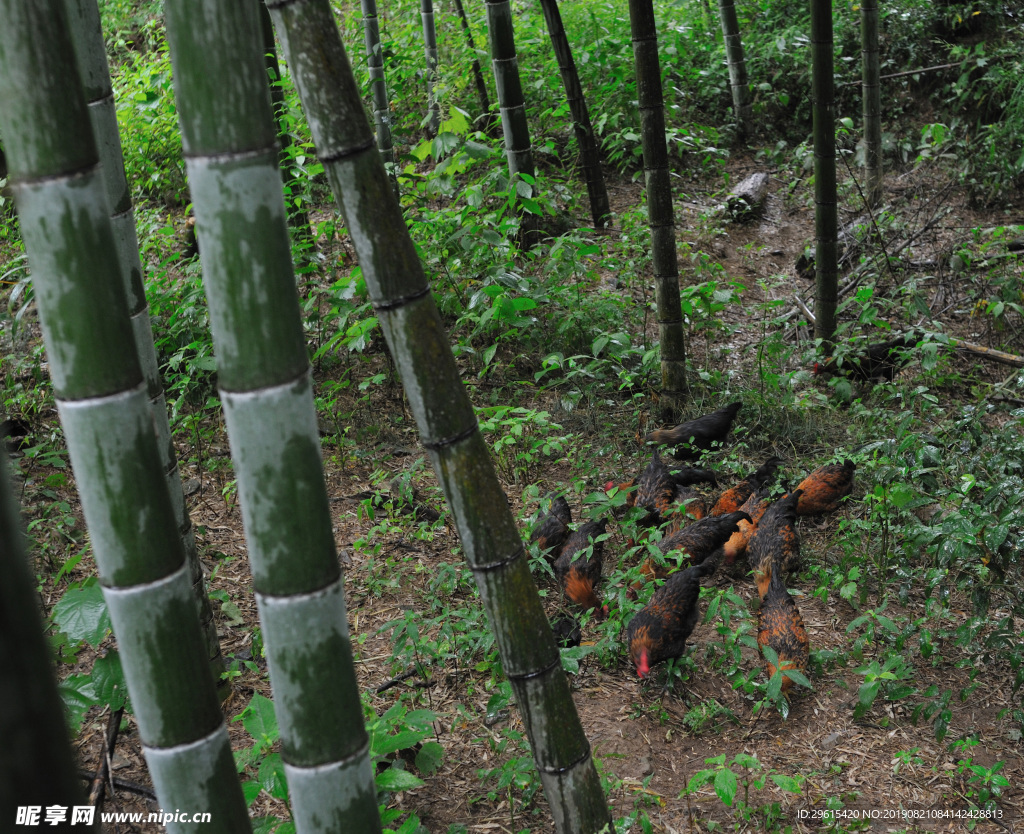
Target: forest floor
column 649, row 741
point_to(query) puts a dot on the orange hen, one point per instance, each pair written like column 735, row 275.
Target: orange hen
column 578, row 566
column 780, row 626
column 734, row 498
column 825, row 487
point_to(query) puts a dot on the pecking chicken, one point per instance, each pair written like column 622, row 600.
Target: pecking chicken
column 553, row 528
column 654, row 490
column 578, row 572
column 754, row 507
column 775, row 542
column 698, row 541
column 659, row 631
column 697, row 435
column 733, row 499
column 825, row 487
column 780, row 626
column 880, row 360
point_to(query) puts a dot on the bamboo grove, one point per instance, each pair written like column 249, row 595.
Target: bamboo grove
column 60, row 140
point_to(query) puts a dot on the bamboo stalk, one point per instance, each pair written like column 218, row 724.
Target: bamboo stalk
column 511, row 104
column 379, row 88
column 737, row 65
column 660, row 212
column 104, row 407
column 91, row 59
column 825, row 200
column 430, row 50
column 589, row 157
column 872, row 101
column 266, row 387
column 412, row 325
column 486, row 117
column 37, row 767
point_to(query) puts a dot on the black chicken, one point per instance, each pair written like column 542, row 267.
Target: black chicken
column 877, row 361
column 579, row 574
column 553, row 528
column 697, row 435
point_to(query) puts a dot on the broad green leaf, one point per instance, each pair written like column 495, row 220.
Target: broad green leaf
column 394, row 779
column 260, row 721
column 82, row 614
column 382, row 745
column 272, row 777
column 108, row 680
column 250, row 790
column 726, row 786
column 429, row 759
column 787, row 783
column 79, row 695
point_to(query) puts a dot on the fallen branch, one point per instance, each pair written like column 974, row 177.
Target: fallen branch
column 936, row 68
column 103, row 771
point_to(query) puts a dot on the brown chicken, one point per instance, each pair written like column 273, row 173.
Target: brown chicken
column 659, row 631
column 687, row 505
column 825, row 487
column 553, row 528
column 775, row 542
column 654, row 491
column 697, row 435
column 697, row 541
column 876, row 361
column 733, row 499
column 780, row 626
column 579, row 572
column 754, row 507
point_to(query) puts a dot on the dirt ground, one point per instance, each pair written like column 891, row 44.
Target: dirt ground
column 640, row 733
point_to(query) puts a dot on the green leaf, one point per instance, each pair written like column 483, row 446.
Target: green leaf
column 726, row 786
column 260, row 721
column 775, row 686
column 868, row 692
column 797, row 676
column 382, row 745
column 272, row 777
column 787, row 783
column 429, row 759
column 108, row 680
column 82, row 614
column 79, row 695
column 250, row 790
column 395, row 780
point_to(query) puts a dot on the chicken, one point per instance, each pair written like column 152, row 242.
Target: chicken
column 578, row 572
column 567, row 631
column 698, row 541
column 825, row 487
column 659, row 631
column 654, row 490
column 775, row 541
column 690, row 475
column 688, row 506
column 732, row 499
column 754, row 507
column 780, row 626
column 697, row 435
column 880, row 360
column 553, row 528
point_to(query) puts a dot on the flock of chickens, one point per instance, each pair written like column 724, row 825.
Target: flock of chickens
column 744, row 520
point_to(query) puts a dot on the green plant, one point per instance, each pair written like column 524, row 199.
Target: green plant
column 743, row 771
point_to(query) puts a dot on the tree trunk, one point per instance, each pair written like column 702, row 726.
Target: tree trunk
column 826, row 214
column 511, row 103
column 104, row 407
column 37, row 766
column 486, row 117
column 430, row 49
column 737, row 65
column 659, row 210
column 91, row 59
column 412, row 325
column 379, row 89
column 872, row 101
column 591, row 161
column 266, row 387
column 298, row 217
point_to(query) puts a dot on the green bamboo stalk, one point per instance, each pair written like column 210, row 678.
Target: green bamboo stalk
column 416, row 337
column 298, row 217
column 91, row 59
column 511, row 104
column 589, row 157
column 871, row 71
column 266, row 388
column 37, row 767
column 430, row 48
column 826, row 229
column 379, row 88
column 486, row 117
column 659, row 210
column 737, row 65
column 104, row 407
